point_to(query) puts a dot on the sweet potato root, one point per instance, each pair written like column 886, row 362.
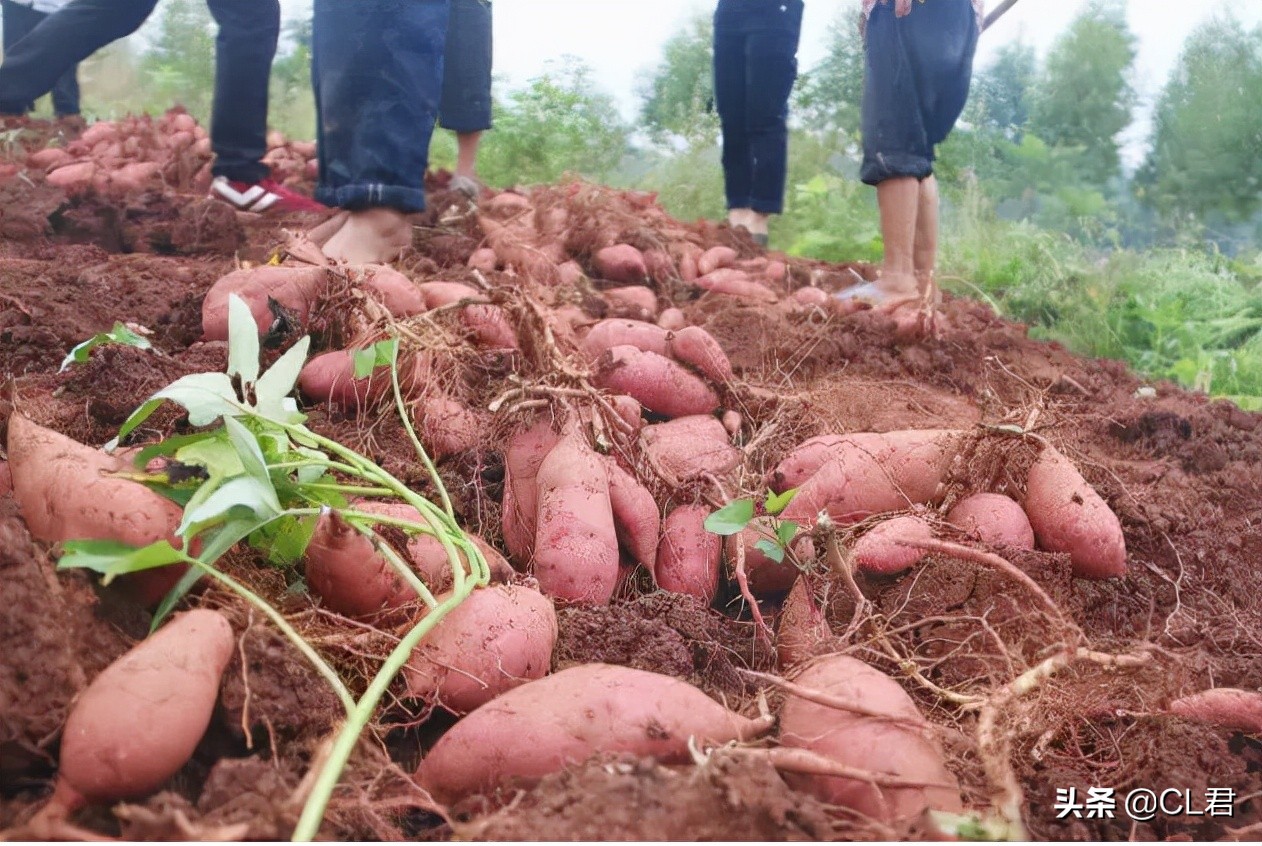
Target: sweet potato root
column 994, row 518
column 688, row 556
column 614, row 332
column 498, row 638
column 689, row 447
column 294, row 289
column 1227, row 707
column 715, row 258
column 894, row 747
column 697, row 348
column 635, row 515
column 348, row 574
column 400, row 295
column 801, row 627
column 621, row 263
column 672, row 319
column 446, row 426
column 523, row 456
column 736, row 283
column 879, row 550
column 633, row 301
column 659, row 383
column 1069, row 516
column 563, row 719
column 139, row 721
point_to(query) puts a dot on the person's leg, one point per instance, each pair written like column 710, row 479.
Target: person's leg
column 926, row 249
column 19, row 20
column 467, row 154
column 64, row 39
column 378, row 68
column 770, row 70
column 729, row 101
column 465, row 104
column 244, row 49
column 66, row 94
column 899, row 202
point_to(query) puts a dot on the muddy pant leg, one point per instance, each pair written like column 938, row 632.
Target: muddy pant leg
column 466, row 98
column 66, row 93
column 771, row 68
column 244, row 49
column 729, row 100
column 379, row 72
column 67, row 37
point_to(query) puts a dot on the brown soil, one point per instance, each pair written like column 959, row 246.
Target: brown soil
column 1182, row 472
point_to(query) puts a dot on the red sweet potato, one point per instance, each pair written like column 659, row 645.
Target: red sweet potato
column 871, row 473
column 659, row 383
column 447, row 427
column 634, row 301
column 576, row 543
column 348, row 574
column 483, row 259
column 672, row 319
column 139, row 721
column 660, row 266
column 879, row 550
column 400, row 295
column 1228, row 707
column 803, row 462
column 439, row 294
column 295, row 289
column 570, row 273
column 894, row 747
column 767, row 577
column 564, row 719
column 736, row 283
column 63, row 493
column 801, row 627
column 995, row 518
column 506, row 204
column 73, row 177
column 690, row 446
column 488, row 322
column 523, row 456
column 1069, row 516
column 635, row 515
column 48, row 158
column 607, row 334
column 715, row 258
column 101, row 130
column 809, row 295
column 629, row 410
column 330, row 377
column 133, row 177
column 732, row 422
column 499, row 637
column 688, row 556
column 697, row 348
column 621, row 263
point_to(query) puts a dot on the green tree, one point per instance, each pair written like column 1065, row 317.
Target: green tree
column 1084, row 98
column 180, row 63
column 677, row 100
column 559, row 123
column 829, row 95
column 292, row 103
column 1000, row 99
column 1206, row 153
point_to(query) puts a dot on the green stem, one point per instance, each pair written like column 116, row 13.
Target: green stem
column 348, row 736
column 334, row 680
column 402, row 568
column 361, row 490
column 416, row 442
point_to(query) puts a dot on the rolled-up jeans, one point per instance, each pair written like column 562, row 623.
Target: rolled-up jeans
column 244, row 49
column 19, row 22
column 377, row 71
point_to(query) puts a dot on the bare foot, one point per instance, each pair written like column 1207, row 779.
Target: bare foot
column 327, row 229
column 370, row 236
column 739, row 217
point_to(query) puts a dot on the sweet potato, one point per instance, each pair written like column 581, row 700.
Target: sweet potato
column 1069, row 516
column 348, row 574
column 715, row 258
column 438, row 294
column 690, row 446
column 803, row 462
column 736, row 283
column 766, row 576
column 634, row 301
column 995, row 518
column 621, row 263
column 672, row 319
column 447, row 427
column 72, row 177
column 576, row 543
column 139, row 721
column 659, row 383
column 295, row 289
column 635, row 515
column 688, row 556
column 483, row 259
column 871, row 473
column 498, row 638
column 879, row 550
column 506, row 204
column 900, row 746
column 1228, row 707
column 809, row 295
column 607, row 334
column 523, row 456
column 134, row 177
column 430, row 557
column 660, row 266
column 801, row 627
column 732, row 421
column 488, row 322
column 570, row 273
column 101, row 130
column 629, row 410
column 48, row 158
column 6, row 479
column 399, row 294
column 563, row 719
column 330, row 377
column 63, row 493
column 698, row 349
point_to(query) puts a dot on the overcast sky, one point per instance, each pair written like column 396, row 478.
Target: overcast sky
column 621, row 40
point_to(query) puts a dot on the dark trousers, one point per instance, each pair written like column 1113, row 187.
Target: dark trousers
column 20, row 21
column 248, row 32
column 377, row 71
column 755, row 65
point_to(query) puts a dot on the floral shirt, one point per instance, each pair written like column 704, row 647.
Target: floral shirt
column 978, row 5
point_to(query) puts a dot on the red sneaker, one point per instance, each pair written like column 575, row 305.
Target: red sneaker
column 262, row 196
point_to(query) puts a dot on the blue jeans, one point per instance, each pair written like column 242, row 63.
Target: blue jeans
column 248, row 31
column 466, row 100
column 755, row 65
column 917, row 74
column 20, row 21
column 377, row 71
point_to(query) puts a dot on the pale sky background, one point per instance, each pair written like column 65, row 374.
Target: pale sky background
column 621, row 40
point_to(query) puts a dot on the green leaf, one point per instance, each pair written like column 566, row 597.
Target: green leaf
column 205, row 396
column 365, row 361
column 274, row 387
column 120, row 334
column 113, row 558
column 731, row 518
column 172, row 446
column 140, row 415
column 223, row 538
column 215, row 452
column 777, row 502
column 771, row 549
column 786, row 532
column 243, row 341
column 285, row 540
column 242, row 492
